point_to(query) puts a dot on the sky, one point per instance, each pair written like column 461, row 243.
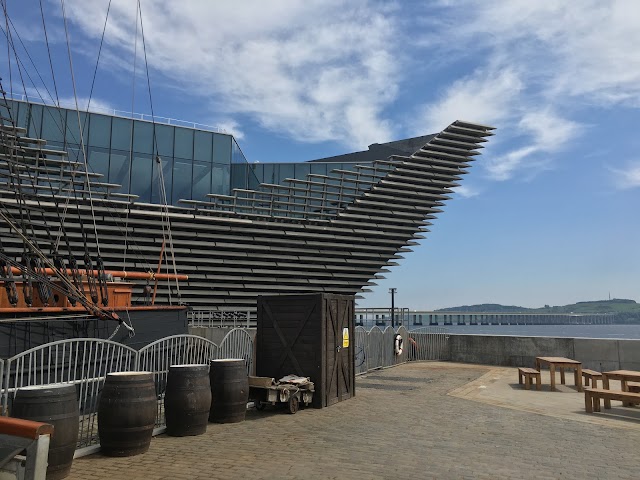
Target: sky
column 548, row 214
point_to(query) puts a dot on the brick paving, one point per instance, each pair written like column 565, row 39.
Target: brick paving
column 401, row 424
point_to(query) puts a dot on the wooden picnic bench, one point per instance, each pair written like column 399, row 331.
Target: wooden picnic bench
column 591, row 375
column 592, row 398
column 625, row 376
column 528, row 374
column 561, row 363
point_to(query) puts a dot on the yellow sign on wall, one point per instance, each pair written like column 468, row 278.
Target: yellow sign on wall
column 345, row 337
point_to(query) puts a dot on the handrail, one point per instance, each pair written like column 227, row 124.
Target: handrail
column 18, row 427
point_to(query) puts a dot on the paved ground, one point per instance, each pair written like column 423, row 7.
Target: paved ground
column 403, row 423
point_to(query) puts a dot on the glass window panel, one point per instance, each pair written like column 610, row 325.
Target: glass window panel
column 98, row 162
column 143, row 137
column 286, row 171
column 237, row 155
column 72, row 134
column 167, row 175
column 221, row 180
column 270, row 173
column 302, row 169
column 239, row 175
column 319, row 168
column 119, row 167
column 164, row 140
column 35, row 121
column 99, row 130
column 258, row 171
column 141, row 174
column 184, row 143
column 53, row 125
column 203, row 144
column 8, row 110
column 121, row 134
column 201, row 180
column 181, row 180
column 222, row 148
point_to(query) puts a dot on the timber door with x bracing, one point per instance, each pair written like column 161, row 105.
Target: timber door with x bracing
column 311, row 336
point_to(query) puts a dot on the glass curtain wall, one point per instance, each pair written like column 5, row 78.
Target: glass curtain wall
column 193, row 163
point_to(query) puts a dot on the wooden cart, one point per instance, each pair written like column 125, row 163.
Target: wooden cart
column 265, row 390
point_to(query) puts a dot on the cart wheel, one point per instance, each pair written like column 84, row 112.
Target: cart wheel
column 259, row 405
column 293, row 405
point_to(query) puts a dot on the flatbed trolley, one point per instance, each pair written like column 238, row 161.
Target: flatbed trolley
column 265, row 390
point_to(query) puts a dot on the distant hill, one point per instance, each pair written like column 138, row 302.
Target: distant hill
column 625, row 310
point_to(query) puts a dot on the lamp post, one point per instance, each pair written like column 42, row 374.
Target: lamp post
column 392, row 291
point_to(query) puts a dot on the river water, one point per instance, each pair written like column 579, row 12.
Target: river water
column 575, row 331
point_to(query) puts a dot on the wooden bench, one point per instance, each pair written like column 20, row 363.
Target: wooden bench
column 591, row 375
column 633, row 387
column 528, row 374
column 592, row 398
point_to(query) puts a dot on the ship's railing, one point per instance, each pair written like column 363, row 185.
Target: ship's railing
column 221, row 318
column 85, row 363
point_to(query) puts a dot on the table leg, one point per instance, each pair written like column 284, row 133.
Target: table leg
column 588, row 402
column 605, row 386
column 552, row 371
column 625, row 388
column 562, row 379
column 578, row 377
column 537, row 364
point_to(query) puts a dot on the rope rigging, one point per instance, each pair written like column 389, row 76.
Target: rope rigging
column 43, row 249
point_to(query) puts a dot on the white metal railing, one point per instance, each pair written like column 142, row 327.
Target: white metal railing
column 221, row 318
column 121, row 113
column 85, row 363
column 375, row 348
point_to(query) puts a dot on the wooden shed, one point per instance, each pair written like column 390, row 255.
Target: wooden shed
column 311, row 336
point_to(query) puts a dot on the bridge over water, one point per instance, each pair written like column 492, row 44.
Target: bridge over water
column 404, row 316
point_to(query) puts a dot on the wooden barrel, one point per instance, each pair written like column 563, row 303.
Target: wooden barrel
column 229, row 390
column 56, row 404
column 126, row 413
column 187, row 400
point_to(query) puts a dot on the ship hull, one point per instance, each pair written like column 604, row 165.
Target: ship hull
column 22, row 333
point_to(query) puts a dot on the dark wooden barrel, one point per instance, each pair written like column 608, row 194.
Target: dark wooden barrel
column 229, row 390
column 126, row 413
column 187, row 400
column 56, row 404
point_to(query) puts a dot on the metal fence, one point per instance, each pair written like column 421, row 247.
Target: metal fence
column 85, row 363
column 375, row 348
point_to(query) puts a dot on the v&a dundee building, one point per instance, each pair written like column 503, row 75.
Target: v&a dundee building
column 241, row 229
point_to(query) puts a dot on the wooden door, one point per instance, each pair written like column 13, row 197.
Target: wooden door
column 339, row 338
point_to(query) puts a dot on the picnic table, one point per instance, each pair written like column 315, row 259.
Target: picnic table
column 624, row 376
column 561, row 363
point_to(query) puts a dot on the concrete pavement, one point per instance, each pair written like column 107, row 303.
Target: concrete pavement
column 415, row 421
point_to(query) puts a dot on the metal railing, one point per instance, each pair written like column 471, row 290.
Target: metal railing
column 119, row 113
column 221, row 318
column 85, row 363
column 375, row 348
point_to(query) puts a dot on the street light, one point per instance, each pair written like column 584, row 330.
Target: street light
column 392, row 291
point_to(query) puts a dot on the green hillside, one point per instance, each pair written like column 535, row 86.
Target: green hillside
column 627, row 311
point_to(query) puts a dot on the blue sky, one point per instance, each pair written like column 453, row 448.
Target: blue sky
column 549, row 212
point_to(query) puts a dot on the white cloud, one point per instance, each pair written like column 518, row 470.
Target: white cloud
column 466, row 191
column 626, row 178
column 484, row 96
column 330, row 80
column 544, row 133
